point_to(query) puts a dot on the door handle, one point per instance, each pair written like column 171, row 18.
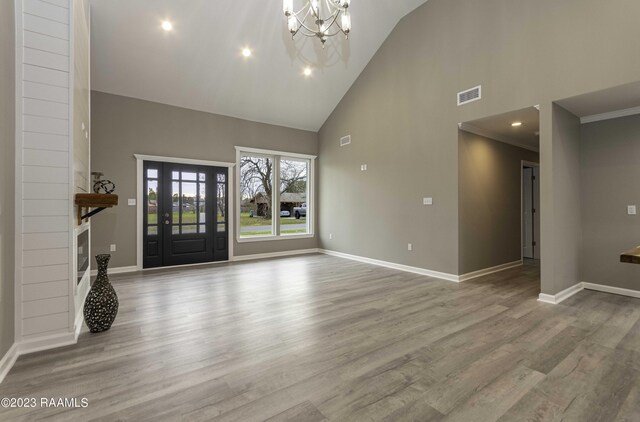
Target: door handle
column 167, row 222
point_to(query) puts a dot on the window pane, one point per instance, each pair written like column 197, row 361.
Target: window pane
column 202, row 177
column 175, row 175
column 222, row 227
column 152, row 173
column 202, row 228
column 188, row 212
column 221, row 202
column 222, row 178
column 152, row 202
column 294, row 175
column 189, row 229
column 188, row 176
column 152, row 230
column 256, row 187
column 175, row 206
column 202, row 209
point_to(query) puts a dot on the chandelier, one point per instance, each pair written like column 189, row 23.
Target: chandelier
column 319, row 18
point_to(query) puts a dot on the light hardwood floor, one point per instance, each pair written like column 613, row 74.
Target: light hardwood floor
column 316, row 338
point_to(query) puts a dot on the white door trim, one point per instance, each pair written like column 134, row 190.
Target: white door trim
column 141, row 158
column 523, row 163
column 311, row 232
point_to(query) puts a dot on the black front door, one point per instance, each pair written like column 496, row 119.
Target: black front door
column 185, row 214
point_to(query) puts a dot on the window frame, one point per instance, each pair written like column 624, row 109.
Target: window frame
column 277, row 156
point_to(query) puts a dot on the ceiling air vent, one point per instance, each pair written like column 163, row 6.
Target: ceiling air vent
column 345, row 140
column 470, row 95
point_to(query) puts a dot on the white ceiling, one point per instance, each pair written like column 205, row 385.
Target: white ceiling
column 199, row 64
column 499, row 128
column 609, row 100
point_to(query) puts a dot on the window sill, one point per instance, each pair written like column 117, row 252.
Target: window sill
column 274, row 238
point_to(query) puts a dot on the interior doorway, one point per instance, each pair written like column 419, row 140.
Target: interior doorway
column 492, row 153
column 531, row 245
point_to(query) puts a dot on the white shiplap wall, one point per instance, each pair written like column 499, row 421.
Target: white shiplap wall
column 44, row 308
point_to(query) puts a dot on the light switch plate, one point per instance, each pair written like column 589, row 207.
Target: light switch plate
column 363, row 167
column 410, row 247
column 631, row 210
column 427, row 201
column 131, row 201
column 112, row 248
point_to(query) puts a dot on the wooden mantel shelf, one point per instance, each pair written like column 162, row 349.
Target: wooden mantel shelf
column 97, row 201
column 631, row 257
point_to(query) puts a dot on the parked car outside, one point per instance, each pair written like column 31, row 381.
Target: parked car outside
column 300, row 211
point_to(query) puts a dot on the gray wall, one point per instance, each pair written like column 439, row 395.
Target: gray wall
column 7, row 176
column 561, row 180
column 122, row 127
column 610, row 172
column 403, row 117
column 490, row 199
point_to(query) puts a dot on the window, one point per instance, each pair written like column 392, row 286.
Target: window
column 275, row 194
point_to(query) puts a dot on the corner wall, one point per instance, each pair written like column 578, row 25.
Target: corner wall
column 122, row 127
column 610, row 173
column 402, row 115
column 490, row 200
column 7, row 174
column 561, row 212
column 81, row 97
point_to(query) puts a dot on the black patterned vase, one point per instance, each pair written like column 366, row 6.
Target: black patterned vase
column 101, row 306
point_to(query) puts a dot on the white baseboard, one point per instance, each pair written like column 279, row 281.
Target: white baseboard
column 45, row 343
column 79, row 321
column 39, row 344
column 400, row 267
column 31, row 346
column 117, row 270
column 7, row 361
column 133, row 268
column 611, row 289
column 487, row 271
column 561, row 296
column 275, row 255
column 566, row 294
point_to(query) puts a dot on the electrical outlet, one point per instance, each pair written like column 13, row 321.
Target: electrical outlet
column 112, row 248
column 427, row 201
column 131, row 201
column 409, row 247
column 631, row 210
column 330, row 236
column 363, row 167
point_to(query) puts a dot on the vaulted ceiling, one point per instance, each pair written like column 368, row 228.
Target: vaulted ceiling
column 199, row 64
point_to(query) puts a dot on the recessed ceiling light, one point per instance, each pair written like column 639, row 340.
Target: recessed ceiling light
column 246, row 52
column 167, row 26
column 516, row 124
column 307, row 71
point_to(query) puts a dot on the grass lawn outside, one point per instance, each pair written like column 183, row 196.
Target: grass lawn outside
column 189, row 217
column 246, row 221
column 269, row 233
